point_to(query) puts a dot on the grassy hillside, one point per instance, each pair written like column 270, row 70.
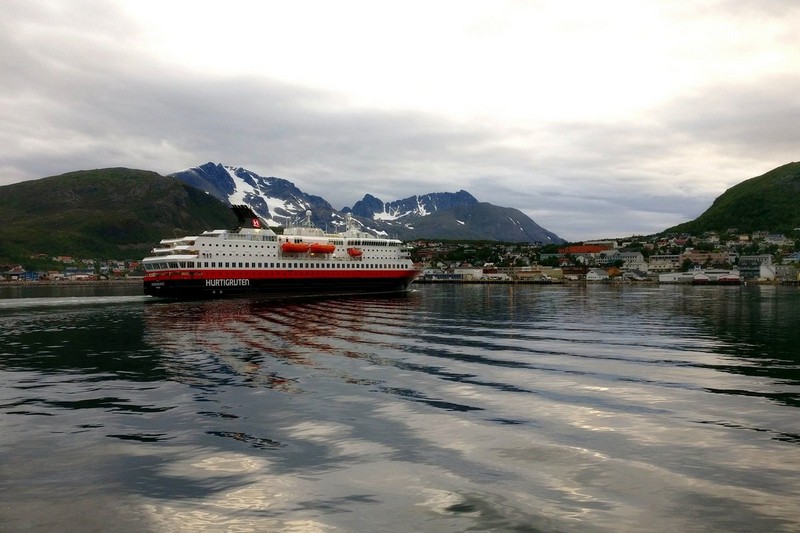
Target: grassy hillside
column 107, row 213
column 770, row 202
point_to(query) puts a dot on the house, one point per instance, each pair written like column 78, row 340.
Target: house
column 18, row 273
column 597, row 274
column 635, row 275
column 778, row 239
column 787, row 272
column 767, row 272
column 750, row 266
column 709, row 258
column 633, row 260
column 538, row 273
column 665, row 263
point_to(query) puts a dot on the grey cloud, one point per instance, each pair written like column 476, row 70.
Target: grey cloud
column 757, row 115
column 75, row 100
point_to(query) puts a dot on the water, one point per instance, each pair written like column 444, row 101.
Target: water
column 456, row 408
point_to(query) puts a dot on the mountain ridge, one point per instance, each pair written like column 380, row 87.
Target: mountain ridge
column 279, row 201
column 109, row 213
column 769, row 202
column 123, row 213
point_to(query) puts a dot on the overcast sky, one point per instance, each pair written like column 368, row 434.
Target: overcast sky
column 597, row 119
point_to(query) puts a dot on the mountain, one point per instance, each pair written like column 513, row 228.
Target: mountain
column 276, row 200
column 452, row 216
column 108, row 213
column 123, row 213
column 481, row 221
column 373, row 208
column 435, row 216
column 770, row 202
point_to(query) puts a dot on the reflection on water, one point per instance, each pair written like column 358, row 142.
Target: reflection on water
column 449, row 409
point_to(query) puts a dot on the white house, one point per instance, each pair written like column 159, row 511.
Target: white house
column 596, row 274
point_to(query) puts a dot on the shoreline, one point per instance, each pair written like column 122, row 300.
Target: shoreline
column 63, row 283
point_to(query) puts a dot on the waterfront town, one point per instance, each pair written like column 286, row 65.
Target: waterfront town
column 729, row 258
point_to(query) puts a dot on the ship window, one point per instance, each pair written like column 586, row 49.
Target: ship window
column 227, row 265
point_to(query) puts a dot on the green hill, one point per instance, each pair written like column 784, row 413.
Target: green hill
column 114, row 213
column 770, row 202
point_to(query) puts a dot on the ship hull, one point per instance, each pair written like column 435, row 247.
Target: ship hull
column 199, row 285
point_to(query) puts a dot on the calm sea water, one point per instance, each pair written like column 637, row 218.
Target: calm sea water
column 455, row 408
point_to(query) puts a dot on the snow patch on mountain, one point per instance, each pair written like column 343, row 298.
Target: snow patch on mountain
column 421, row 210
column 241, row 189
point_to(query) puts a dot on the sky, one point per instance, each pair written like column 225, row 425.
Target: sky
column 596, row 119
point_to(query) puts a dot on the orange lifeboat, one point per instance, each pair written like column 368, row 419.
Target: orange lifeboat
column 294, row 247
column 354, row 252
column 321, row 248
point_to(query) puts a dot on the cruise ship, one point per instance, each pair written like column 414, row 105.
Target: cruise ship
column 253, row 259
